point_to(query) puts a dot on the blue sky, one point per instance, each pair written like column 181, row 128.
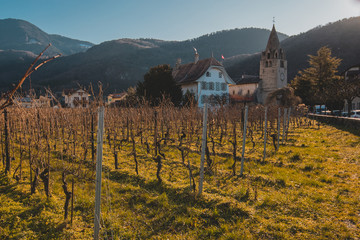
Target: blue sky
column 103, row 20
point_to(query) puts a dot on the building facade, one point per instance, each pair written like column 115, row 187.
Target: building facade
column 205, row 79
column 272, row 75
column 273, row 68
column 76, row 98
column 245, row 89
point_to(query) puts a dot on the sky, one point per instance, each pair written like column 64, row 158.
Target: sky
column 103, row 20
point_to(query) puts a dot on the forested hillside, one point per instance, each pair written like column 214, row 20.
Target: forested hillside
column 341, row 37
column 121, row 63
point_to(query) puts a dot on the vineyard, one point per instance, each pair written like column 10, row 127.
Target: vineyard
column 268, row 174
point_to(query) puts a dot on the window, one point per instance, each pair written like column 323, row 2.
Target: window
column 248, row 92
column 208, row 74
column 220, row 74
column 282, row 64
column 203, row 85
column 223, row 86
column 267, row 64
column 217, row 86
column 276, row 55
column 268, row 56
column 211, row 86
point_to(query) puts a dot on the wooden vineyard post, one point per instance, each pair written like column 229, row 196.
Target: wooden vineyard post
column 284, row 125
column 190, row 173
column 99, row 153
column 244, row 141
column 92, row 138
column 203, row 147
column 278, row 127
column 72, row 202
column 265, row 132
column 7, row 144
column 155, row 134
column 288, row 123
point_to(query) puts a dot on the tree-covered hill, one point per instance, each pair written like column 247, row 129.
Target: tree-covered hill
column 342, row 37
column 122, row 63
column 16, row 34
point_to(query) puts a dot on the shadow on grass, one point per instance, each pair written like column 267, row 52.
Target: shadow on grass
column 180, row 196
column 345, row 129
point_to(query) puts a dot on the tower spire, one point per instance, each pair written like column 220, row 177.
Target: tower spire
column 273, row 42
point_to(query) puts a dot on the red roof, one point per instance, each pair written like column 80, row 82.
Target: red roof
column 191, row 72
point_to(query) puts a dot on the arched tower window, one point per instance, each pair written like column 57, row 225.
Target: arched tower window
column 276, row 55
column 268, row 56
column 267, row 64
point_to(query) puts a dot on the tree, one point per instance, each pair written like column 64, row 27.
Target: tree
column 349, row 89
column 313, row 83
column 189, row 99
column 284, row 97
column 336, row 93
column 159, row 83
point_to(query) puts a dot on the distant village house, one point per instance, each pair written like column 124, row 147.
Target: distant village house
column 28, row 102
column 245, row 89
column 116, row 98
column 76, row 98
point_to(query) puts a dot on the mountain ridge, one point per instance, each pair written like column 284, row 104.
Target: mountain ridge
column 121, row 63
column 19, row 34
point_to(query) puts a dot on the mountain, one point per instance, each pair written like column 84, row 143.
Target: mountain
column 342, row 37
column 21, row 35
column 121, row 63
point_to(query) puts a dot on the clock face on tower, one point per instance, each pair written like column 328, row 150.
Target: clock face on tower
column 282, row 76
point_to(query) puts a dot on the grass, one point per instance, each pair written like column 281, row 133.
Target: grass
column 307, row 190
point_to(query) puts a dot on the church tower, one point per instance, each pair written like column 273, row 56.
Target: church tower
column 273, row 68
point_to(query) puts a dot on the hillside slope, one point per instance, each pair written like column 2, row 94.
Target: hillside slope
column 18, row 34
column 121, row 63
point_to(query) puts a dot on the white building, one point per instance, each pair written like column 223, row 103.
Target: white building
column 245, row 89
column 76, row 98
column 206, row 79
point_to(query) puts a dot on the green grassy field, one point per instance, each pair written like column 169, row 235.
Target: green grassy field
column 309, row 189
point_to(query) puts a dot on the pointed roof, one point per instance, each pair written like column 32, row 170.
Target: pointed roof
column 191, row 72
column 273, row 42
